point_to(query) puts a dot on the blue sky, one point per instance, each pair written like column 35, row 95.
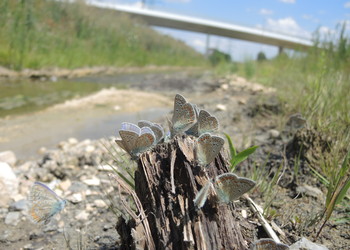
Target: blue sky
column 295, row 17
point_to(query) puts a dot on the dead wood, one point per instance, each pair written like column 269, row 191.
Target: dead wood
column 166, row 182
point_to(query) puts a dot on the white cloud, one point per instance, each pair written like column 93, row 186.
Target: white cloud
column 177, row 1
column 285, row 25
column 347, row 5
column 198, row 43
column 288, row 1
column 265, row 12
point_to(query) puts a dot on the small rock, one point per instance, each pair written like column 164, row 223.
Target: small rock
column 105, row 167
column 12, row 218
column 305, row 244
column 19, row 205
column 8, row 183
column 92, row 182
column 310, row 191
column 8, row 157
column 42, row 150
column 274, row 133
column 89, row 149
column 221, row 107
column 75, row 198
column 64, row 185
column 116, row 108
column 72, row 141
column 100, row 203
column 224, row 86
column 82, row 216
column 107, row 227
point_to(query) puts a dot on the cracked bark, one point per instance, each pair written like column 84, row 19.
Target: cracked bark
column 166, row 182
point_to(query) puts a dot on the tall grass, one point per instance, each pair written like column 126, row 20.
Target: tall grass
column 39, row 33
column 316, row 83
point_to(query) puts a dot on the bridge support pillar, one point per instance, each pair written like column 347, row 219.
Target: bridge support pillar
column 280, row 50
column 207, row 42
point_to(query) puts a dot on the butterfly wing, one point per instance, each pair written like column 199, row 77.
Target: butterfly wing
column 229, row 187
column 184, row 115
column 158, row 132
column 129, row 134
column 144, row 141
column 207, row 123
column 203, row 144
column 265, row 244
column 144, row 123
column 43, row 203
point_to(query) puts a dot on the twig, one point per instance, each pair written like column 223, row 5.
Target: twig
column 258, row 211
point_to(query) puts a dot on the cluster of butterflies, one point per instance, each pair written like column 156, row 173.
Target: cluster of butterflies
column 187, row 118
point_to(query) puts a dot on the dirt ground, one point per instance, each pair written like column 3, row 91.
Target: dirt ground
column 249, row 113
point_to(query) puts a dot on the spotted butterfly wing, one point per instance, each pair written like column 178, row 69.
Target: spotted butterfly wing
column 230, row 187
column 43, row 203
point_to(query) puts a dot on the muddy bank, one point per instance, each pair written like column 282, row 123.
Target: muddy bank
column 55, row 73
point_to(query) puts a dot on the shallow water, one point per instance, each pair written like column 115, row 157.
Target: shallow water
column 26, row 125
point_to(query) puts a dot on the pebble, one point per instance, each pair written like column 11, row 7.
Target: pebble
column 75, row 198
column 100, row 203
column 92, row 182
column 89, row 149
column 305, row 244
column 8, row 184
column 221, row 107
column 12, row 218
column 82, row 216
column 19, row 205
column 64, row 185
column 72, row 141
column 8, row 157
column 310, row 191
column 274, row 133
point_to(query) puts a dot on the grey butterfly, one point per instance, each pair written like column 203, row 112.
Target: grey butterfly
column 156, row 128
column 208, row 147
column 184, row 116
column 269, row 244
column 230, row 187
column 135, row 140
column 205, row 123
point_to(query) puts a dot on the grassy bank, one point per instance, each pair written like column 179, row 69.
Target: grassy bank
column 317, row 85
column 38, row 33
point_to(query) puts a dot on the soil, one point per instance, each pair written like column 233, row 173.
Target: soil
column 250, row 113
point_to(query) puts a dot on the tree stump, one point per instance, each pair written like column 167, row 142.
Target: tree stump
column 166, row 183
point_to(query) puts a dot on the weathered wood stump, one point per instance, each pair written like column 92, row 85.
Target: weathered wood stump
column 166, row 182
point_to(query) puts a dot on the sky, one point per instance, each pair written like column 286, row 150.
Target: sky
column 299, row 18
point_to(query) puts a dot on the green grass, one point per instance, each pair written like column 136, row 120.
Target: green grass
column 316, row 84
column 38, row 33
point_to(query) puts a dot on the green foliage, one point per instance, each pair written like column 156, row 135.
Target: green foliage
column 217, row 57
column 237, row 158
column 39, row 33
column 261, row 57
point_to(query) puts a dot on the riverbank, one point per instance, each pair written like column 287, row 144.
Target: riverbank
column 250, row 113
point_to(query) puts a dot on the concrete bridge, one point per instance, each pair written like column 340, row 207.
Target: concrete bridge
column 163, row 19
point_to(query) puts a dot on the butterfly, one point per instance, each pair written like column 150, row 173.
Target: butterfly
column 135, row 140
column 205, row 123
column 43, row 203
column 230, row 187
column 208, row 147
column 156, row 128
column 184, row 116
column 268, row 244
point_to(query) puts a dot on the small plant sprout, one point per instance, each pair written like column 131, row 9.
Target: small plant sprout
column 237, row 158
